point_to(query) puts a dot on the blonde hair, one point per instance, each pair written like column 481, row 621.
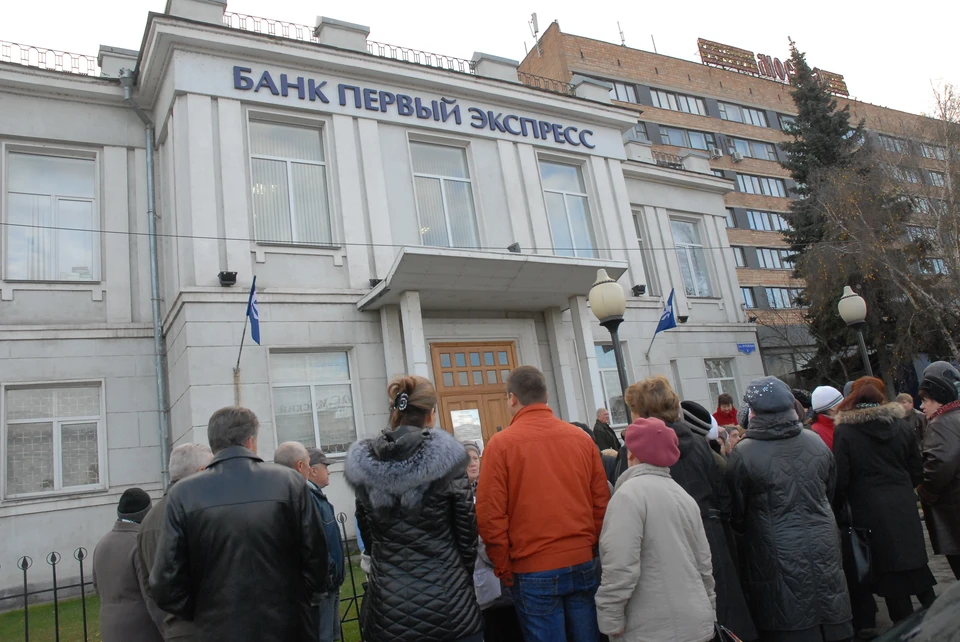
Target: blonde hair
column 653, row 397
column 421, row 398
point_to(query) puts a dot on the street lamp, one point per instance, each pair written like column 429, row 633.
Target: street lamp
column 608, row 302
column 853, row 311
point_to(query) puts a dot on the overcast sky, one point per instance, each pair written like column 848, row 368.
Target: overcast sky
column 888, row 56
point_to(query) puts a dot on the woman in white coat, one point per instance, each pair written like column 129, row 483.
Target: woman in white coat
column 657, row 577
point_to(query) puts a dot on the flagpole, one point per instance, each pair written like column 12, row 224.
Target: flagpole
column 242, row 337
column 650, row 347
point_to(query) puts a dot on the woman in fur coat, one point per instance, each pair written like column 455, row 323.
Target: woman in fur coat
column 415, row 514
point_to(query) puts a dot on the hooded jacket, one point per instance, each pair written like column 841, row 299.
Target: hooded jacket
column 824, row 426
column 878, row 466
column 781, row 479
column 415, row 514
column 940, row 489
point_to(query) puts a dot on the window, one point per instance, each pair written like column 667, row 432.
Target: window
column 906, row 175
column 640, row 129
column 313, row 395
column 623, row 92
column 731, row 219
column 718, row 173
column 783, row 298
column 932, row 266
column 933, row 151
column 749, row 302
column 738, row 114
column 568, row 210
column 761, row 185
column 891, row 144
column 920, row 233
column 686, row 138
column 936, row 179
column 53, row 438
column 52, row 218
column 720, row 379
column 678, row 102
column 753, row 149
column 774, row 259
column 444, row 196
column 290, row 196
column 767, row 221
column 610, row 380
column 645, row 255
column 738, row 256
column 693, row 261
column 787, row 123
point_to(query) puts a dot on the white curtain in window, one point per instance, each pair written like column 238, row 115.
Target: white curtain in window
column 271, row 203
column 285, row 141
column 557, row 213
column 692, row 259
column 433, row 224
column 310, row 204
column 578, row 210
column 444, row 192
column 463, row 218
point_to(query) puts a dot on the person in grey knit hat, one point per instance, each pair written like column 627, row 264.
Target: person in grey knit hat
column 794, row 580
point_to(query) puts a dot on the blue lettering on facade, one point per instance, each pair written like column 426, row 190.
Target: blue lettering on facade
column 267, row 81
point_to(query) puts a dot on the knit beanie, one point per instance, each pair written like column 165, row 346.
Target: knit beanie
column 939, row 389
column 697, row 416
column 824, row 398
column 652, row 442
column 134, row 505
column 769, row 396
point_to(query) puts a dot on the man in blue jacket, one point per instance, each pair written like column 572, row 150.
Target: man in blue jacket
column 318, row 478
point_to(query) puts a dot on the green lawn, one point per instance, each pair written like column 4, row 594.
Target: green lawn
column 71, row 620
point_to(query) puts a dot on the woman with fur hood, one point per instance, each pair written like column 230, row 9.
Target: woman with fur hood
column 415, row 513
column 878, row 466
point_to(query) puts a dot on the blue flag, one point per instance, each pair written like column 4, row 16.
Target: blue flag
column 254, row 313
column 667, row 319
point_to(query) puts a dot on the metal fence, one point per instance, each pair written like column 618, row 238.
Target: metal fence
column 546, row 84
column 28, row 597
column 49, row 59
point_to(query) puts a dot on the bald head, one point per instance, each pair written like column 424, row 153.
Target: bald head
column 293, row 455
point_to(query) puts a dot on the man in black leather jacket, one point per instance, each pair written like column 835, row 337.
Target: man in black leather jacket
column 242, row 549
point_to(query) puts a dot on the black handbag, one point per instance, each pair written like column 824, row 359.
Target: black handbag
column 723, row 634
column 858, row 546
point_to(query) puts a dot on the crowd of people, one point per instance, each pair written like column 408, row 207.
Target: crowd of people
column 687, row 527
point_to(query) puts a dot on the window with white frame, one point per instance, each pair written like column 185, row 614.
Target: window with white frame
column 678, row 102
column 291, row 202
column 313, row 399
column 739, row 114
column 917, row 233
column 687, row 138
column 731, row 219
column 568, row 210
column 937, row 179
column 53, row 438
column 787, row 123
column 764, row 185
column 891, row 144
column 906, row 175
column 752, row 148
column 936, row 152
column 646, row 255
column 749, row 302
column 767, row 221
column 624, row 92
column 738, row 256
column 783, row 298
column 932, row 266
column 641, row 131
column 444, row 190
column 692, row 258
column 52, row 218
column 720, row 379
column 774, row 259
column 610, row 380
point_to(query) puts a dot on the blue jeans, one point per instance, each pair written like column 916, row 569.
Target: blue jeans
column 330, row 617
column 558, row 606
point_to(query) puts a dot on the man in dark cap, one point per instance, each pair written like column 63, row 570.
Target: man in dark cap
column 123, row 609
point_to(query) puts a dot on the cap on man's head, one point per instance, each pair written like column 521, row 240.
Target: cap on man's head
column 769, row 396
column 317, row 457
column 652, row 442
column 134, row 505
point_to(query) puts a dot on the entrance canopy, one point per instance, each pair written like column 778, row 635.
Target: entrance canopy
column 470, row 280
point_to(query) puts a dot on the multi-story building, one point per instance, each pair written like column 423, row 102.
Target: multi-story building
column 736, row 115
column 401, row 212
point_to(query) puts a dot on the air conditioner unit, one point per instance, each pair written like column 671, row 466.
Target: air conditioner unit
column 736, row 156
column 715, row 153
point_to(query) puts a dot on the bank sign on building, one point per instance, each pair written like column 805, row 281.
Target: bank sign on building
column 374, row 200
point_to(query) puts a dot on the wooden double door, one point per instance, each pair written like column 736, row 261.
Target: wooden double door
column 473, row 377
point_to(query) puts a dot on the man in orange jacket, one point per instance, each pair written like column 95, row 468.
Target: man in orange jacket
column 541, row 500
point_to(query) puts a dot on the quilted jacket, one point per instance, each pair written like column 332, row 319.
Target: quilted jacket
column 781, row 479
column 416, row 516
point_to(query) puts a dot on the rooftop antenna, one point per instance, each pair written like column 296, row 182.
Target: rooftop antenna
column 535, row 30
column 654, row 43
column 623, row 41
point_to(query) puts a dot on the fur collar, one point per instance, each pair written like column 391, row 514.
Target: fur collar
column 887, row 413
column 405, row 481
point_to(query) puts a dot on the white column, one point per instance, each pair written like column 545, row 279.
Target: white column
column 234, row 191
column 586, row 353
column 530, row 171
column 415, row 345
column 624, row 211
column 377, row 203
column 116, row 247
column 392, row 340
column 562, row 375
column 513, row 184
column 351, row 201
column 202, row 187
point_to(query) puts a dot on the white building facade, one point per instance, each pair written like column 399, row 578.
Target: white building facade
column 374, row 200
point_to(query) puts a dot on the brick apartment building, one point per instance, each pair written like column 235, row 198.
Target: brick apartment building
column 737, row 119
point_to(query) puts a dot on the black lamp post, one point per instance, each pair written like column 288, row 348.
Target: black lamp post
column 853, row 311
column 608, row 303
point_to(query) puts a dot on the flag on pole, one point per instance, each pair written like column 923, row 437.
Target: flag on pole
column 254, row 313
column 667, row 319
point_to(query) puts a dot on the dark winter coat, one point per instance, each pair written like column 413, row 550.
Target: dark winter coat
column 781, row 479
column 331, row 531
column 940, row 489
column 697, row 473
column 878, row 466
column 242, row 551
column 416, row 516
column 605, row 437
column 116, row 579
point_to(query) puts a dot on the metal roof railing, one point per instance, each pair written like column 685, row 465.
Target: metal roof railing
column 49, row 59
column 547, row 84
